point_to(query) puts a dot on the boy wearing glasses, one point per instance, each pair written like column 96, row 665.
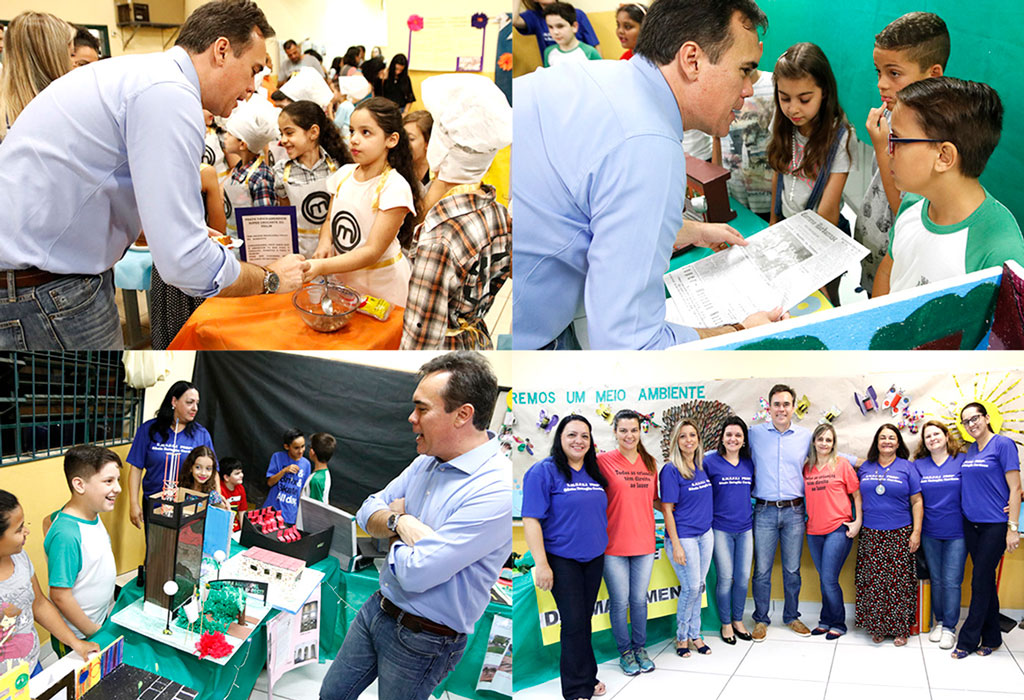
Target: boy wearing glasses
column 910, row 48
column 943, row 132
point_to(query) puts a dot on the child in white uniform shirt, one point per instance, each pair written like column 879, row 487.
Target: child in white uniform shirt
column 373, row 208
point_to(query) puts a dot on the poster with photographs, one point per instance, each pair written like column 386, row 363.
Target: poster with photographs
column 496, row 672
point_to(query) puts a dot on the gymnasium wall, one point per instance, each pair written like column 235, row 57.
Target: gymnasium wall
column 985, row 39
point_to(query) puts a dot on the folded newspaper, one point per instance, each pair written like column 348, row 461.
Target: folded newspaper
column 781, row 266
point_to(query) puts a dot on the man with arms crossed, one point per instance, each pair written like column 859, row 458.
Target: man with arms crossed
column 449, row 515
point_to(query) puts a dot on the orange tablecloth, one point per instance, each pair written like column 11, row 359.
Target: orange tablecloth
column 271, row 323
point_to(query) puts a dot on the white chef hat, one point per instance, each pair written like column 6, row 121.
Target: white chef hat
column 354, row 87
column 254, row 122
column 472, row 122
column 308, row 84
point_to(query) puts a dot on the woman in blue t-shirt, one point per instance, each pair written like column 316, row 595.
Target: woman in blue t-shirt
column 886, row 577
column 938, row 461
column 687, row 504
column 566, row 525
column 170, row 436
column 989, row 489
column 731, row 472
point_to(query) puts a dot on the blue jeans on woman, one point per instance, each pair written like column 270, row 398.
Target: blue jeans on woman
column 691, row 577
column 734, row 553
column 829, row 553
column 627, row 580
column 946, row 560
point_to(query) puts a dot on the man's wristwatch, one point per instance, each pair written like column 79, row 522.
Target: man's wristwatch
column 393, row 521
column 270, row 281
column 1013, row 526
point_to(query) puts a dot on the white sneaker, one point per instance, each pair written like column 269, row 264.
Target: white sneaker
column 936, row 634
column 948, row 640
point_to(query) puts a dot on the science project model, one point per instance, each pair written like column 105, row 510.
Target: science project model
column 208, row 618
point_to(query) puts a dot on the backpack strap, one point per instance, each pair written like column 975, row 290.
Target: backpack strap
column 826, row 171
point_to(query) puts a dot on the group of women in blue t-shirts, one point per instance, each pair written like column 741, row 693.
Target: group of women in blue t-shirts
column 589, row 516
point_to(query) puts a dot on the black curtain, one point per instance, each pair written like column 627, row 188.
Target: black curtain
column 248, row 400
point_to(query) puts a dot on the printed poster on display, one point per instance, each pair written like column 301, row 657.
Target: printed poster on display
column 780, row 266
column 293, row 640
column 268, row 232
column 496, row 672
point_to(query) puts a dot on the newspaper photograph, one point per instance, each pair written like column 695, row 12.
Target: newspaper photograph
column 781, row 266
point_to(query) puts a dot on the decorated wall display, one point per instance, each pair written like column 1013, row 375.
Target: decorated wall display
column 856, row 404
column 975, row 311
column 452, row 43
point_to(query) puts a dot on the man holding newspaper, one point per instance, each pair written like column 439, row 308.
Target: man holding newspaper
column 600, row 177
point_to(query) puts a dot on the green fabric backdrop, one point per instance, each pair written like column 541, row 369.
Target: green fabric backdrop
column 985, row 37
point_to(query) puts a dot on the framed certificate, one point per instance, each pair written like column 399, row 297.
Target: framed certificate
column 269, row 233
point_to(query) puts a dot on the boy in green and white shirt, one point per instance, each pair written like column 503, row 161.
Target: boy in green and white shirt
column 321, row 449
column 562, row 25
column 943, row 132
column 80, row 559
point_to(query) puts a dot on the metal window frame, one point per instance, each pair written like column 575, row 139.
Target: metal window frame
column 50, row 401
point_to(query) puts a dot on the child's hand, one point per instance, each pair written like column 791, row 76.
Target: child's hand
column 84, row 648
column 323, row 250
column 878, row 127
column 313, row 272
column 293, row 468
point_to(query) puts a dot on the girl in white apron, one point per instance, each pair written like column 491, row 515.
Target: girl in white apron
column 373, row 208
column 315, row 151
column 213, row 150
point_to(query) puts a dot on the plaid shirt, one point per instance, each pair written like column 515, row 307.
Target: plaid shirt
column 462, row 257
column 299, row 174
column 261, row 184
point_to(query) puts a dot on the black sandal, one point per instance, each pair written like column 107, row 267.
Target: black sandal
column 745, row 636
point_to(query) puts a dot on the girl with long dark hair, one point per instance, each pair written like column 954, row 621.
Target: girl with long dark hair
column 397, row 86
column 373, row 208
column 565, row 522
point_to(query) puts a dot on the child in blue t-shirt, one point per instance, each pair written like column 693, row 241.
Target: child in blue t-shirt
column 287, row 474
column 531, row 21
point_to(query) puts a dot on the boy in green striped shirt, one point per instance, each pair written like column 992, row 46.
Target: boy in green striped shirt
column 321, row 449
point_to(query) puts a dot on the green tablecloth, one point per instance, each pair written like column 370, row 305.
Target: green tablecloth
column 234, row 680
column 535, row 663
column 342, row 594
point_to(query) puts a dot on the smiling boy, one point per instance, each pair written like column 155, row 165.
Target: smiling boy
column 287, row 474
column 562, row 25
column 81, row 562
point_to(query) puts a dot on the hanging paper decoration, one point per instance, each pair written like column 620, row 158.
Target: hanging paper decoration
column 647, row 422
column 762, row 411
column 802, row 405
column 830, row 415
column 866, row 402
column 895, row 400
column 911, row 419
column 708, row 415
column 546, row 422
column 479, row 20
column 505, row 61
column 415, row 23
column 603, row 411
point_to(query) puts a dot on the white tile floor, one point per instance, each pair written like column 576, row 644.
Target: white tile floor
column 812, row 668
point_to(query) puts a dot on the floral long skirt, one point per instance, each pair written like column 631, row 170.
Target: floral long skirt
column 886, row 582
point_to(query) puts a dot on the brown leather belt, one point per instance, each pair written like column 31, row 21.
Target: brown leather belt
column 779, row 504
column 29, row 277
column 415, row 622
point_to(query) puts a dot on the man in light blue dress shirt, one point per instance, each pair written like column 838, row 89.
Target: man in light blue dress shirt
column 449, row 516
column 113, row 148
column 779, row 450
column 599, row 176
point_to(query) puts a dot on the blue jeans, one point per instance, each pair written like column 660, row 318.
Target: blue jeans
column 733, row 552
column 772, row 526
column 409, row 664
column 691, row 577
column 71, row 313
column 627, row 579
column 829, row 553
column 946, row 560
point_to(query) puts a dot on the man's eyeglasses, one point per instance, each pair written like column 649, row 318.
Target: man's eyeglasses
column 969, row 422
column 893, row 141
